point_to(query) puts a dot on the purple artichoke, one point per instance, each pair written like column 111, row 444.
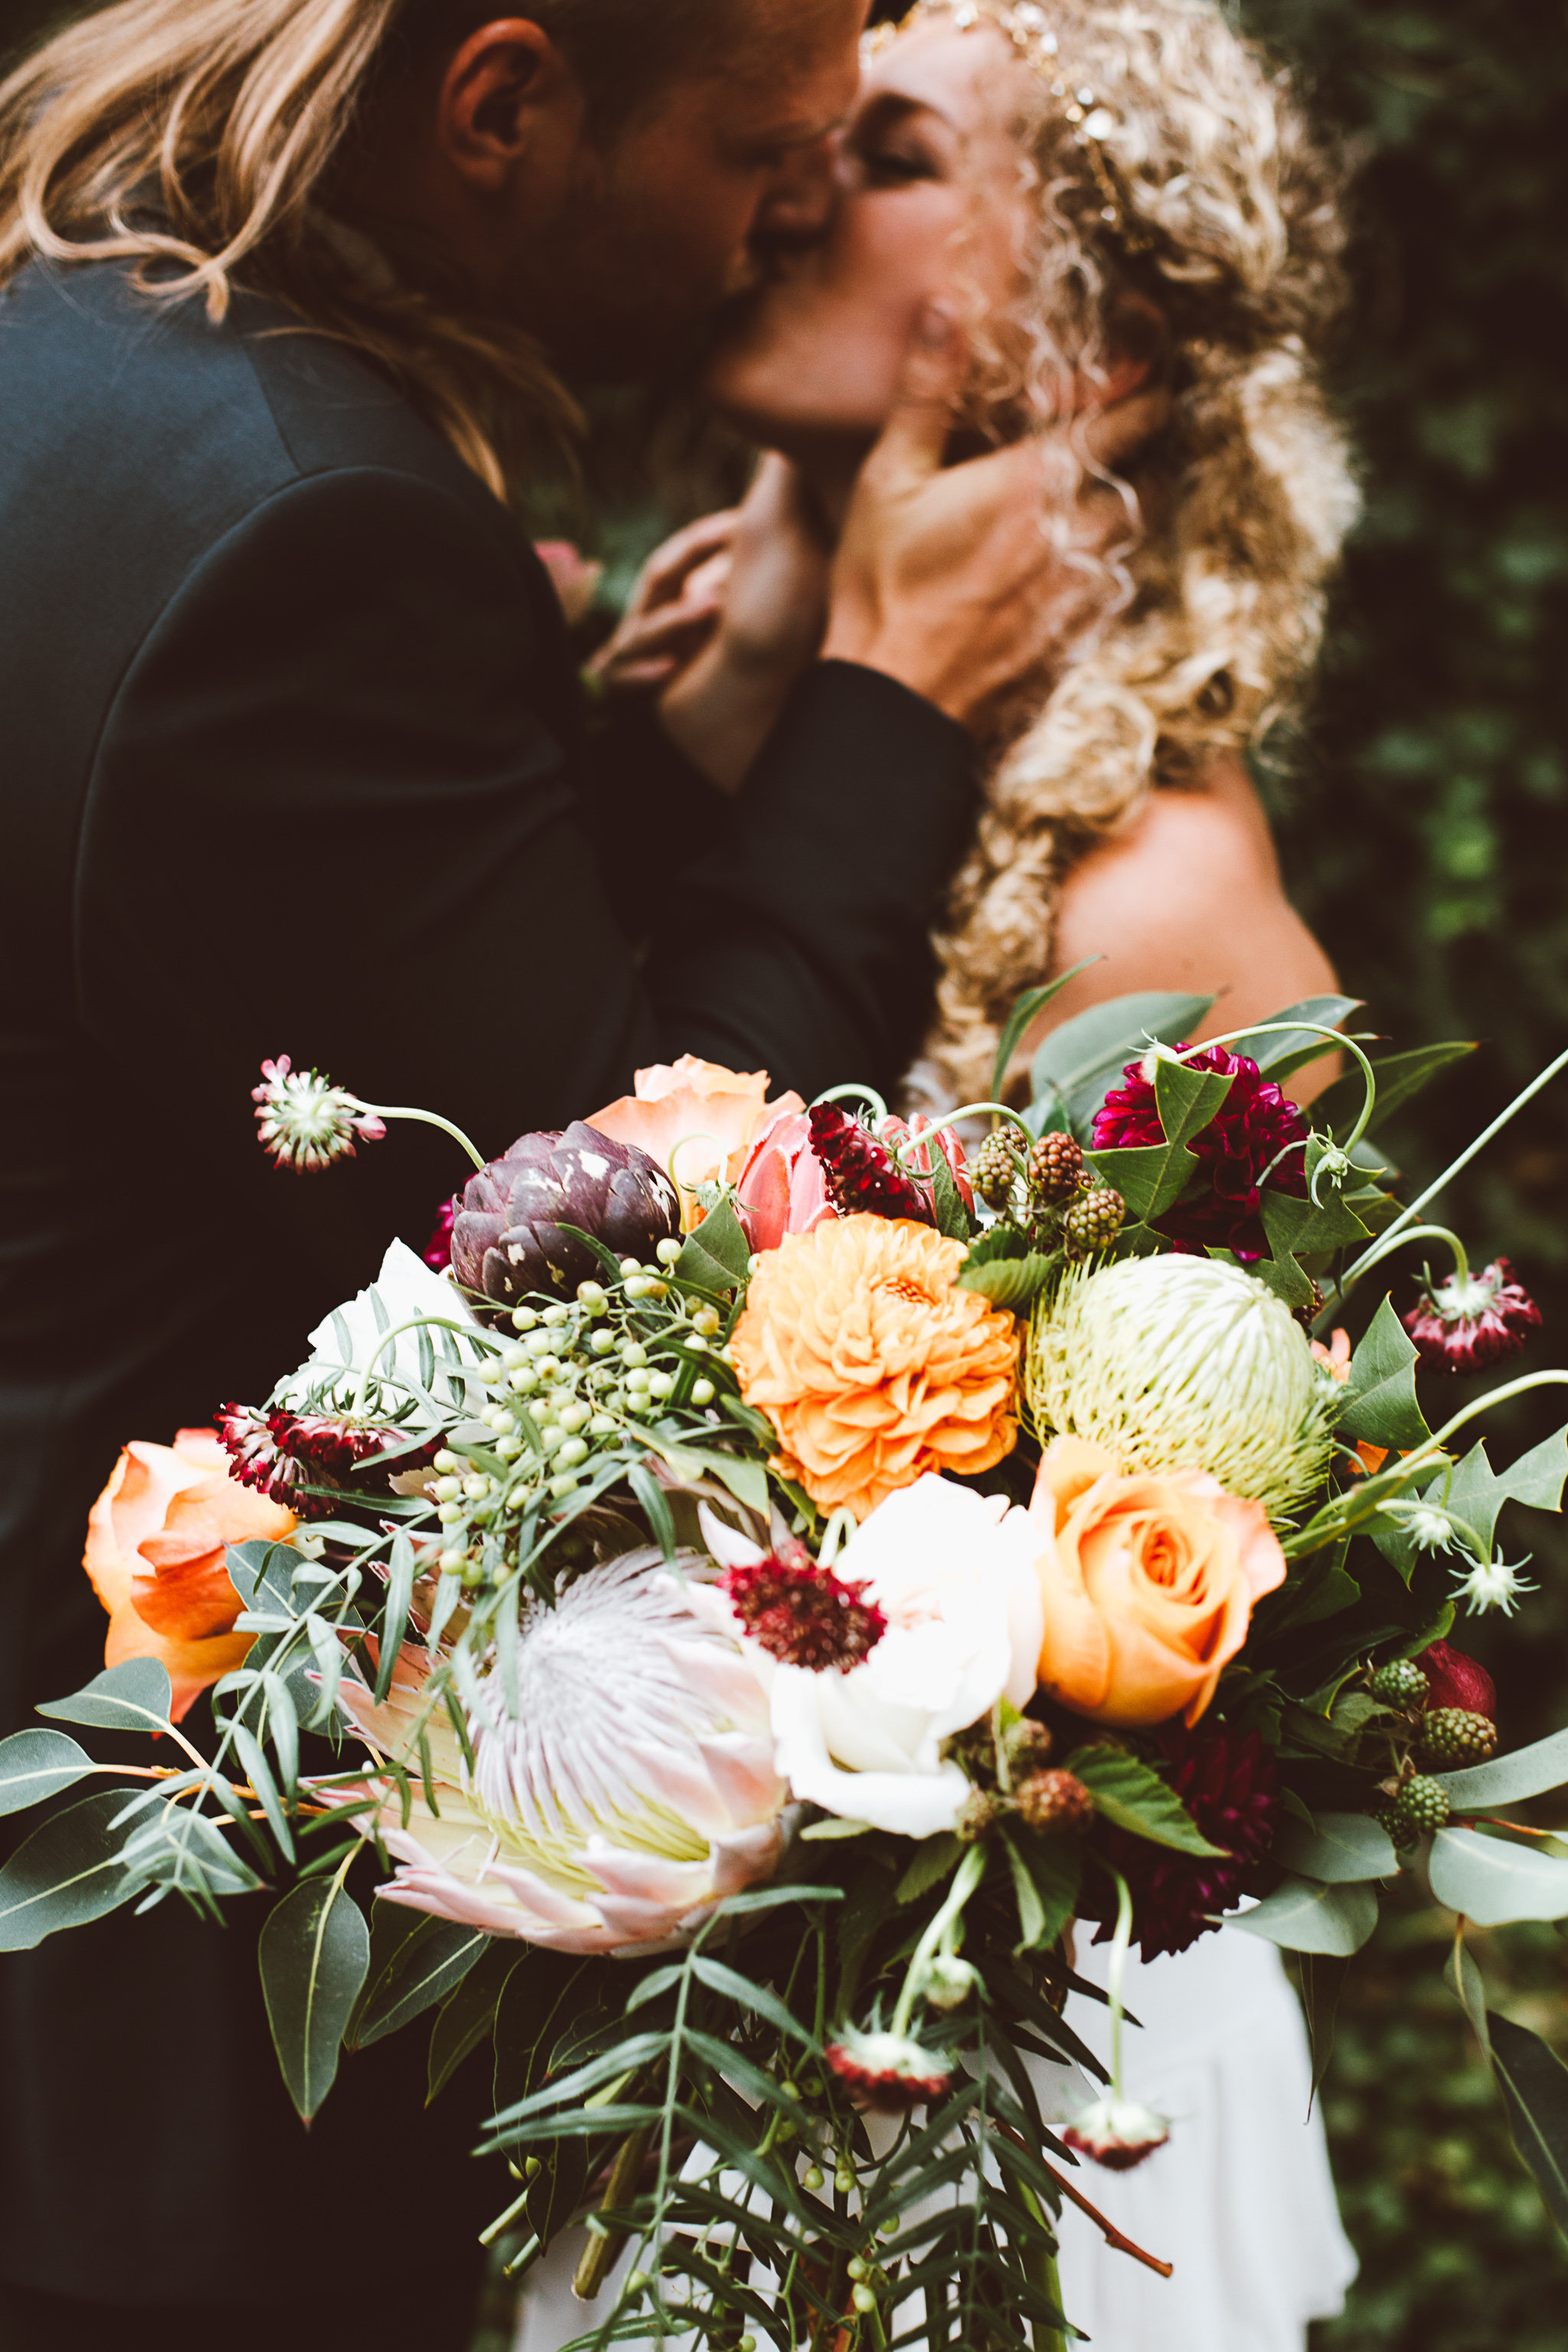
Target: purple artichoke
column 506, row 1237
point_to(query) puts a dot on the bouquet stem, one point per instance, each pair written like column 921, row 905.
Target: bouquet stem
column 605, row 2245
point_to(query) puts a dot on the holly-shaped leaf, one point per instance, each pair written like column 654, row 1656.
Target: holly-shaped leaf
column 1380, row 1406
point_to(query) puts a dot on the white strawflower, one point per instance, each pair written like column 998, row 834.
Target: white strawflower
column 633, row 1788
column 1177, row 1362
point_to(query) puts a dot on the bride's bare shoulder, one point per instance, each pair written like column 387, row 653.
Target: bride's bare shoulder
column 1188, row 895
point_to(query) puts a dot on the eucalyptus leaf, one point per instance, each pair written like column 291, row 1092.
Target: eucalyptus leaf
column 39, row 1764
column 1078, row 1062
column 1133, row 1796
column 432, row 1969
column 1047, row 1874
column 1509, row 1779
column 1275, row 1049
column 1379, row 1406
column 1033, row 1002
column 469, row 2014
column 1534, row 2085
column 1491, row 1881
column 1345, row 1848
column 135, row 1697
column 69, row 1871
column 1398, row 1077
column 1304, row 1916
column 314, row 1954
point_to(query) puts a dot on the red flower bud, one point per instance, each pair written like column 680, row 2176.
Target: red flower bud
column 1454, row 1680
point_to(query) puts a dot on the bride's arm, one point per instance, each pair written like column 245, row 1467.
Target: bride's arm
column 1189, row 896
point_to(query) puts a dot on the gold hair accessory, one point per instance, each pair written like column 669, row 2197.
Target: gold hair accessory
column 1029, row 29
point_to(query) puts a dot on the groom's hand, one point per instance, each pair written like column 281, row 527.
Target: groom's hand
column 966, row 582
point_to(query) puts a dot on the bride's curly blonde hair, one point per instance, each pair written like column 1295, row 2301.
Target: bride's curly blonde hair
column 1186, row 179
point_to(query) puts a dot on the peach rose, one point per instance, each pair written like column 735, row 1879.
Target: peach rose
column 783, row 1185
column 1149, row 1580
column 713, row 1116
column 870, row 1365
column 155, row 1554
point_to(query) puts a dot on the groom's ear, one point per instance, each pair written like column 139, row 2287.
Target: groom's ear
column 508, row 93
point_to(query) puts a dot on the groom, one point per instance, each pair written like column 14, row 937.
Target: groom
column 296, row 763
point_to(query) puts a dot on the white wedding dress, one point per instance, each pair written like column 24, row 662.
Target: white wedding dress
column 1241, row 2200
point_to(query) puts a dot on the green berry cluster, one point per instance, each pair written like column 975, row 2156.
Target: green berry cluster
column 578, row 1379
column 1449, row 1737
column 1400, row 1684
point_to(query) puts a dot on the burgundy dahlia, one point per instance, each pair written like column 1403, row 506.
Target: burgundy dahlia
column 804, row 1615
column 1470, row 1321
column 863, row 1179
column 281, row 1454
column 508, row 1238
column 1454, row 1680
column 1231, row 1788
column 1258, row 1134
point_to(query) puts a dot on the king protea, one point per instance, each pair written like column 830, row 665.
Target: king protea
column 632, row 1787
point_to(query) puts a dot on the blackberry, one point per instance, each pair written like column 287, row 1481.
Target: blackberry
column 1451, row 1736
column 980, row 1814
column 1029, row 1746
column 992, row 1172
column 1307, row 1316
column 1421, row 1805
column 1093, row 1220
column 1400, row 1684
column 1056, row 1168
column 1050, row 1801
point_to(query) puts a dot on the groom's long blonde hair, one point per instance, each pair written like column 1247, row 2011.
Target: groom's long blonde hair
column 1227, row 218
column 202, row 139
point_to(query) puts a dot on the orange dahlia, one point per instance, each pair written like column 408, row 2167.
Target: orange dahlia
column 871, row 1367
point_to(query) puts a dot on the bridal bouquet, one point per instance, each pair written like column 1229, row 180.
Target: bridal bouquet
column 764, row 1581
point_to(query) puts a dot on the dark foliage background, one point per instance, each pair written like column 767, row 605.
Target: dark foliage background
column 1422, row 817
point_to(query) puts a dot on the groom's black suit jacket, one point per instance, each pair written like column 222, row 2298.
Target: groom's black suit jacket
column 294, row 761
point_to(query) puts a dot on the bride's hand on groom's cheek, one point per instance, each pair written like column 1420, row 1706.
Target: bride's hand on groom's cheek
column 968, row 582
column 672, row 612
column 721, row 704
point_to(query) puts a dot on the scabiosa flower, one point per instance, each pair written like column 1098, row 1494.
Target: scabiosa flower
column 804, row 1615
column 1259, row 1134
column 1117, row 2133
column 1455, row 1680
column 305, row 1121
column 1471, row 1320
column 633, row 1788
column 1231, row 1788
column 888, row 2071
column 281, row 1454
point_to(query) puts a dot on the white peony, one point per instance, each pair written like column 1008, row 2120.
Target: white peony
column 953, row 1573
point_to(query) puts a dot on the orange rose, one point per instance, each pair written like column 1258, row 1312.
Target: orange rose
column 1149, row 1582
column 712, row 1114
column 871, row 1367
column 155, row 1554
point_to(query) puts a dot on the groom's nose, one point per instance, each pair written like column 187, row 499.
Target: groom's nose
column 801, row 201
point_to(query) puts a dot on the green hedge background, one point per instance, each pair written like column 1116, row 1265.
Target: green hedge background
column 1423, row 819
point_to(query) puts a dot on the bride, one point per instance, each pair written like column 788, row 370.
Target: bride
column 1086, row 202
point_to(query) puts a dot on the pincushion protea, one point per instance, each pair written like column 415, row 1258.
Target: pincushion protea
column 1177, row 1362
column 633, row 1788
